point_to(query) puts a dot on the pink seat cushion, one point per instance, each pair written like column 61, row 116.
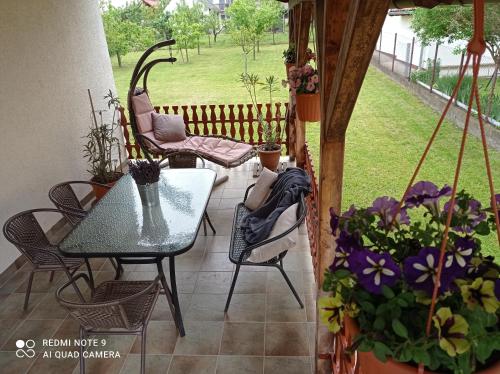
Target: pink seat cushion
column 143, row 110
column 223, row 150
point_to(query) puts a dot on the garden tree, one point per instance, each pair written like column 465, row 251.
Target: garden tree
column 157, row 18
column 186, row 26
column 453, row 23
column 279, row 23
column 267, row 15
column 123, row 35
column 242, row 27
column 213, row 25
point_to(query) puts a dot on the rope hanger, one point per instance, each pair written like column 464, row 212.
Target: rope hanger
column 475, row 50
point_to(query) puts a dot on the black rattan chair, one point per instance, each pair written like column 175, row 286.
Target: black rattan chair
column 24, row 231
column 240, row 250
column 187, row 159
column 115, row 308
column 63, row 196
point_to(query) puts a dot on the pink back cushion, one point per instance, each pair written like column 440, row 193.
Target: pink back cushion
column 143, row 109
column 168, row 127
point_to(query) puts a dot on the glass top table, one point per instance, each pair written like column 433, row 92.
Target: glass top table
column 120, row 226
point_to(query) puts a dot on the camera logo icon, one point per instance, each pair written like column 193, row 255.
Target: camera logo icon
column 25, row 348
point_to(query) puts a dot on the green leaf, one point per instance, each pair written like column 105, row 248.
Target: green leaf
column 421, row 356
column 387, row 292
column 402, row 302
column 399, row 328
column 482, row 228
column 381, row 351
column 379, row 323
column 406, row 354
column 367, row 307
column 342, row 273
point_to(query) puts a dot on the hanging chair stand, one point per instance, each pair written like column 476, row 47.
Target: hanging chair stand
column 149, row 147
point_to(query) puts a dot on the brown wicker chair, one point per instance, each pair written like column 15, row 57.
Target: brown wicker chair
column 24, row 231
column 63, row 196
column 187, row 159
column 115, row 308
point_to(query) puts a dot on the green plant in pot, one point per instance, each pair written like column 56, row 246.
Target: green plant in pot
column 270, row 151
column 385, row 271
column 103, row 148
column 289, row 57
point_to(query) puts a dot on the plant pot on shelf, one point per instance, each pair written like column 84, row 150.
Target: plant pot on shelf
column 270, row 159
column 308, row 107
column 369, row 364
column 101, row 191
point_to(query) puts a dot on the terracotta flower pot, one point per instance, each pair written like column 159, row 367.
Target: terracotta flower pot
column 101, row 191
column 369, row 364
column 308, row 107
column 269, row 159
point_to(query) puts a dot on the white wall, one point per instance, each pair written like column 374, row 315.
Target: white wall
column 51, row 51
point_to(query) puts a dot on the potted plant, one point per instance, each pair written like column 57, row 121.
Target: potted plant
column 146, row 175
column 270, row 151
column 304, row 85
column 103, row 146
column 383, row 275
column 289, row 57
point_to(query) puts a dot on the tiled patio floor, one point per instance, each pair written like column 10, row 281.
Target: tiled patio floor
column 264, row 331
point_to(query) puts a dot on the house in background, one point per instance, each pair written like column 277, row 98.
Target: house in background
column 396, row 39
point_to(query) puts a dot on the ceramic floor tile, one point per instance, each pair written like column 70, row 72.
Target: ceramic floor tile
column 48, row 308
column 36, row 330
column 234, row 193
column 213, row 282
column 283, row 307
column 154, row 364
column 161, row 337
column 193, row 365
column 42, row 283
column 310, row 303
column 286, row 339
column 240, row 365
column 7, row 327
column 161, row 311
column 289, row 365
column 15, row 281
column 53, row 365
column 202, row 338
column 250, row 282
column 309, row 283
column 206, row 307
column 216, row 262
column 243, row 339
column 247, row 308
column 11, row 364
column 276, row 282
column 220, row 243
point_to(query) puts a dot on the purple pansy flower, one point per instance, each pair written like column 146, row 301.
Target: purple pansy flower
column 386, row 207
column 376, row 270
column 346, row 245
column 352, row 210
column 473, row 214
column 420, row 271
column 461, row 253
column 426, row 194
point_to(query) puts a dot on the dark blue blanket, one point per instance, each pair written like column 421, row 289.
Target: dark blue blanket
column 285, row 192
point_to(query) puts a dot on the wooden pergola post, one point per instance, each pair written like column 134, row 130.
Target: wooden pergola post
column 304, row 14
column 347, row 31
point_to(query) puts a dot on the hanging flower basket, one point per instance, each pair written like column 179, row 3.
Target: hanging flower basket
column 304, row 85
column 383, row 277
column 308, row 107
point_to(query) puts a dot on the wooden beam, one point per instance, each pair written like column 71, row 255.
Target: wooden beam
column 305, row 11
column 347, row 31
column 362, row 27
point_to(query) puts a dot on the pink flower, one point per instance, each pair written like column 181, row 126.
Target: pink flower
column 297, row 83
column 310, row 87
column 308, row 70
column 315, row 78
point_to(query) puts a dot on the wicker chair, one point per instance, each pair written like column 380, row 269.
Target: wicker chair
column 115, row 308
column 240, row 250
column 187, row 159
column 24, row 231
column 63, row 196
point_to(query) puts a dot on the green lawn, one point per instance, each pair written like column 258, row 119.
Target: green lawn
column 388, row 131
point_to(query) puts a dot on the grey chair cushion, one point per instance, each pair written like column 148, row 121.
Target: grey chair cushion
column 168, row 127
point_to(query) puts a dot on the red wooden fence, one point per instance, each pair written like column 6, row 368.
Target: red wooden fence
column 234, row 120
column 312, row 208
